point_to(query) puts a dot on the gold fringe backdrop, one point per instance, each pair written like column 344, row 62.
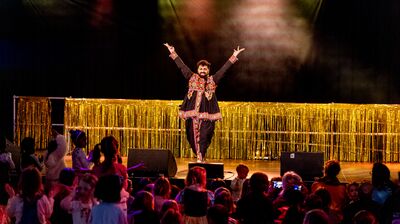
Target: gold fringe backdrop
column 134, row 123
column 249, row 130
column 33, row 119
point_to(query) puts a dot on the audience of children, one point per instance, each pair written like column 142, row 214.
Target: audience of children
column 106, row 195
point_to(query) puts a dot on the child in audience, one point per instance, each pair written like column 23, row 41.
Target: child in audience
column 331, row 183
column 144, row 209
column 95, row 156
column 171, row 216
column 223, row 197
column 217, row 214
column 255, row 206
column 28, row 157
column 81, row 201
column 6, row 165
column 110, row 166
column 30, row 205
column 108, row 190
column 130, row 199
column 316, row 216
column 65, row 185
column 365, row 216
column 161, row 192
column 195, row 199
column 54, row 158
column 352, row 192
column 237, row 183
column 169, row 205
column 79, row 160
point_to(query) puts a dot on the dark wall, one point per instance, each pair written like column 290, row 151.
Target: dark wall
column 113, row 49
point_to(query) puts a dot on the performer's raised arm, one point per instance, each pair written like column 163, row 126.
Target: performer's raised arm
column 187, row 73
column 220, row 73
column 237, row 51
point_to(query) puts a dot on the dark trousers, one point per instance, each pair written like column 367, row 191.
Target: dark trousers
column 199, row 133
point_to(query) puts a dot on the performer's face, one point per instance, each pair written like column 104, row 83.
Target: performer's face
column 203, row 70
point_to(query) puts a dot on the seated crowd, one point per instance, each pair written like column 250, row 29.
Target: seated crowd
column 97, row 189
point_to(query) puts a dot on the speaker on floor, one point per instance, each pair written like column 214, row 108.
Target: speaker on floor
column 157, row 162
column 214, row 170
column 309, row 165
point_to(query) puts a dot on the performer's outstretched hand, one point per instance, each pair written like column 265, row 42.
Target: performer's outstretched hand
column 237, row 51
column 170, row 48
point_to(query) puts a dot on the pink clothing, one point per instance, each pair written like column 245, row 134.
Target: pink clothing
column 115, row 168
column 15, row 207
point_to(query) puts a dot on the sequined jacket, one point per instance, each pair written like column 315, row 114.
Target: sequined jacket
column 200, row 101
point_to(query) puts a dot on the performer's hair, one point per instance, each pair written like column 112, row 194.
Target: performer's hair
column 204, row 63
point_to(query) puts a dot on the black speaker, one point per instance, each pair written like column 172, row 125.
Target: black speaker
column 214, row 170
column 157, row 162
column 308, row 165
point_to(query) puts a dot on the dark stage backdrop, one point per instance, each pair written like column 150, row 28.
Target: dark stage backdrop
column 342, row 51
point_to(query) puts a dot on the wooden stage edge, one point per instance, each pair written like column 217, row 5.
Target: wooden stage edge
column 350, row 171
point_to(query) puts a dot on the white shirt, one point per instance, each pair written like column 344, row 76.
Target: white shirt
column 55, row 162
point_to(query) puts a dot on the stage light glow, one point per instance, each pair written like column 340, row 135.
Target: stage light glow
column 277, row 35
column 277, row 40
column 102, row 13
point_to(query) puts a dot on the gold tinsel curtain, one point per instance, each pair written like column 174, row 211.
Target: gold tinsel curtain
column 134, row 123
column 249, row 130
column 33, row 119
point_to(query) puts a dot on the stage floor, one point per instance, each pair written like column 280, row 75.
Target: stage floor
column 351, row 171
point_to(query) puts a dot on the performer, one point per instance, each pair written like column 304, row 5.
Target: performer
column 200, row 107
